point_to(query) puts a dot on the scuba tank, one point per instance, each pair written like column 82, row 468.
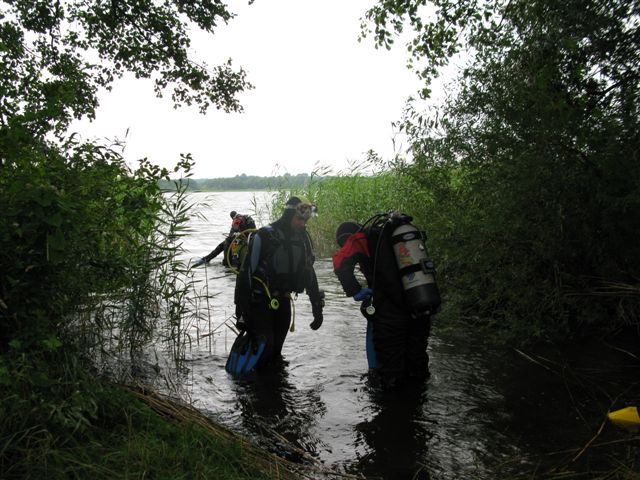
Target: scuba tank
column 416, row 269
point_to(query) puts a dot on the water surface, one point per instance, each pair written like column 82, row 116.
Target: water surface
column 485, row 413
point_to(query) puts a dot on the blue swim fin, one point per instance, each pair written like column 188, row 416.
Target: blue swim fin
column 232, row 362
column 239, row 345
column 371, row 351
column 256, row 353
column 244, row 355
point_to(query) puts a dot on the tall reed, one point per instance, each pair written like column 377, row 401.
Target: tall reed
column 365, row 189
column 91, row 275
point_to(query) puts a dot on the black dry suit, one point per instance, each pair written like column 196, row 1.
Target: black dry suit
column 279, row 262
column 396, row 336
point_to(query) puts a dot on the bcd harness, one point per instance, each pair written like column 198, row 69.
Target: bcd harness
column 236, row 255
column 281, row 267
column 283, row 262
column 237, row 249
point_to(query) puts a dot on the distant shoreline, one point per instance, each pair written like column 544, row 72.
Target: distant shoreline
column 242, row 183
column 230, row 190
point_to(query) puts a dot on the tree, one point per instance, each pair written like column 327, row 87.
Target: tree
column 535, row 159
column 54, row 58
column 56, row 55
column 87, row 244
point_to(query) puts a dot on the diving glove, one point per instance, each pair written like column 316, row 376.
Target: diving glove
column 316, row 308
column 363, row 294
column 198, row 262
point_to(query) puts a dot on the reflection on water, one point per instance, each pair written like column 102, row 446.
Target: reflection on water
column 480, row 414
column 395, row 435
column 282, row 413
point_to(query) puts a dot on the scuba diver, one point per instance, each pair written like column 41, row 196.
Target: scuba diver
column 279, row 262
column 232, row 245
column 400, row 297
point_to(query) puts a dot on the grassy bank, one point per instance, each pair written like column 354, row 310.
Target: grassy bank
column 135, row 434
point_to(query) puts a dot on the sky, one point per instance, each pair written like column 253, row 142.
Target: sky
column 321, row 98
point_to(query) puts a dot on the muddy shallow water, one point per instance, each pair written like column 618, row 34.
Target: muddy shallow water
column 485, row 413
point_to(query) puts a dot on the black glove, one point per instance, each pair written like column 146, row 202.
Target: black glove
column 316, row 308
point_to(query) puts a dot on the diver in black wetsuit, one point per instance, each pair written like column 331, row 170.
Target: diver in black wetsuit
column 239, row 224
column 397, row 333
column 279, row 262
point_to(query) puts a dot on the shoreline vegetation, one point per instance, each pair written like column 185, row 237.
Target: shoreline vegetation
column 141, row 434
column 526, row 180
column 108, row 431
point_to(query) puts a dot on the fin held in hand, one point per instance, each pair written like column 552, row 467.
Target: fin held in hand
column 244, row 355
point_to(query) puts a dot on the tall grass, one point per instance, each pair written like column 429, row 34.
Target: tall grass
column 153, row 306
column 365, row 189
column 487, row 280
column 139, row 435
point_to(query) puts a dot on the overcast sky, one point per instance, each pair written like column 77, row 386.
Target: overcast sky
column 320, row 97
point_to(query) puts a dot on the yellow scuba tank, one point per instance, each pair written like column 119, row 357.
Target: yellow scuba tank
column 417, row 271
column 626, row 418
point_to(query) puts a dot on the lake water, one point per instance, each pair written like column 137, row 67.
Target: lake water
column 485, row 413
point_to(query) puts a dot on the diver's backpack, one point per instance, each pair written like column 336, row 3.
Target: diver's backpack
column 239, row 245
column 237, row 250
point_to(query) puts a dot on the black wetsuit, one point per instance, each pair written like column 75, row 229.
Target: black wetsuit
column 279, row 263
column 399, row 336
column 222, row 247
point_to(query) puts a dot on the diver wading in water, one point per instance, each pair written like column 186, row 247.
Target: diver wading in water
column 279, row 262
column 400, row 297
column 231, row 246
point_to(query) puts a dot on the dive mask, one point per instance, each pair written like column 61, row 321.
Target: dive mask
column 304, row 210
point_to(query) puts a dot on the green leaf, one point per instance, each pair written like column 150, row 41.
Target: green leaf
column 52, row 343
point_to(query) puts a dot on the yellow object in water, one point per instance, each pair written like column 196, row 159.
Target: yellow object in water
column 626, row 418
